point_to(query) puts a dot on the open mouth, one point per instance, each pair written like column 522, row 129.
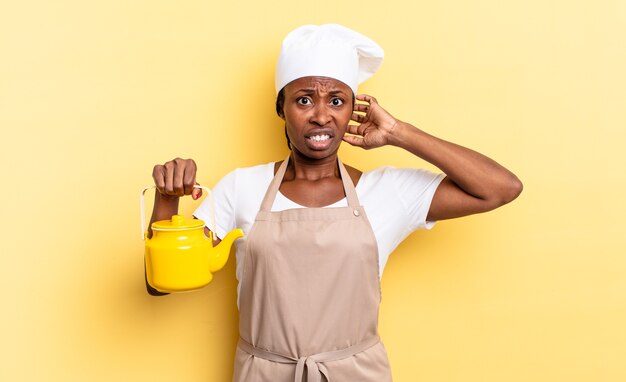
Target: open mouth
column 319, row 141
column 319, row 138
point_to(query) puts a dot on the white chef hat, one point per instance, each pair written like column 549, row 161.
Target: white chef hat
column 328, row 50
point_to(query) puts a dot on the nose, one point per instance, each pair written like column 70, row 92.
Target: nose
column 321, row 114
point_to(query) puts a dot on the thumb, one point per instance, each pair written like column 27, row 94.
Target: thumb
column 196, row 193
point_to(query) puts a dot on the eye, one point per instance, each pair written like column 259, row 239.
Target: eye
column 303, row 101
column 336, row 101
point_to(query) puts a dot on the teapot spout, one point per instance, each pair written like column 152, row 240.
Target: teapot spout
column 220, row 253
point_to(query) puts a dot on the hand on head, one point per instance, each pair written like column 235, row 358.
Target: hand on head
column 375, row 124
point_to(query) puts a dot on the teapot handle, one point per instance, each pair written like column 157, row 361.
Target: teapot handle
column 143, row 210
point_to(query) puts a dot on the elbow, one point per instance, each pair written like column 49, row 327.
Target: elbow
column 152, row 291
column 511, row 190
column 505, row 194
column 516, row 189
column 156, row 293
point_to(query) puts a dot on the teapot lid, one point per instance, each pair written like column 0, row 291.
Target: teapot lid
column 178, row 222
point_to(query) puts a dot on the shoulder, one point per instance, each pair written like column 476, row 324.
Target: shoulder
column 400, row 196
column 399, row 181
column 243, row 180
column 253, row 170
column 251, row 173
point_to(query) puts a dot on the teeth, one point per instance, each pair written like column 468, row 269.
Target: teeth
column 319, row 138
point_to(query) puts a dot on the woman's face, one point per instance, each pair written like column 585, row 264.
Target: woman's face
column 317, row 111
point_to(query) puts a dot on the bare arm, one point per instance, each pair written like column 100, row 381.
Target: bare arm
column 474, row 183
column 165, row 206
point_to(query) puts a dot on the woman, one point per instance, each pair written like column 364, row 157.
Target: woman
column 309, row 275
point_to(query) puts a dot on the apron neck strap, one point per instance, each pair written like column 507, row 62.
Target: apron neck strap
column 348, row 186
column 272, row 190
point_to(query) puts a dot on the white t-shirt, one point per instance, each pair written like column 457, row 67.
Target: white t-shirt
column 396, row 201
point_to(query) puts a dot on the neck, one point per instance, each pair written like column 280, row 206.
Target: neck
column 301, row 167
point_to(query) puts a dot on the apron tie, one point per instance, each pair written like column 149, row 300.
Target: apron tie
column 315, row 367
column 313, row 370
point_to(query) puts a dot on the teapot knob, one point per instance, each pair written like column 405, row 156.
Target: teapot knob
column 178, row 220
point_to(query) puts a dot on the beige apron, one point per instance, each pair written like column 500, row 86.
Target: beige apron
column 310, row 295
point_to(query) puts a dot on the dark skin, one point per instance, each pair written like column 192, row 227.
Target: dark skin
column 316, row 106
column 317, row 112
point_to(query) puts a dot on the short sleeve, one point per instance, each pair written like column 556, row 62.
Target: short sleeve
column 224, row 196
column 415, row 189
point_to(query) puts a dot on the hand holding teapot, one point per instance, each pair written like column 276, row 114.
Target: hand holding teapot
column 178, row 255
column 176, row 178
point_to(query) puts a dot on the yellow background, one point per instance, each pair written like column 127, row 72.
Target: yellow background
column 94, row 93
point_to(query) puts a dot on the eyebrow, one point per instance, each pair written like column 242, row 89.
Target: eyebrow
column 312, row 91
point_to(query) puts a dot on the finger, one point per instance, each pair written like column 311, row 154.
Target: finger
column 353, row 140
column 179, row 173
column 357, row 129
column 189, row 178
column 196, row 193
column 159, row 178
column 361, row 107
column 169, row 178
column 362, row 129
column 353, row 129
column 360, row 118
column 367, row 98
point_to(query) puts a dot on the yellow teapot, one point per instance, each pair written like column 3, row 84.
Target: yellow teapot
column 179, row 257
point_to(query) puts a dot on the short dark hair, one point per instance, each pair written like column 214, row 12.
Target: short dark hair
column 280, row 103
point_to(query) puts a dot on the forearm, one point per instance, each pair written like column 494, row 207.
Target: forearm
column 173, row 179
column 476, row 174
column 165, row 207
